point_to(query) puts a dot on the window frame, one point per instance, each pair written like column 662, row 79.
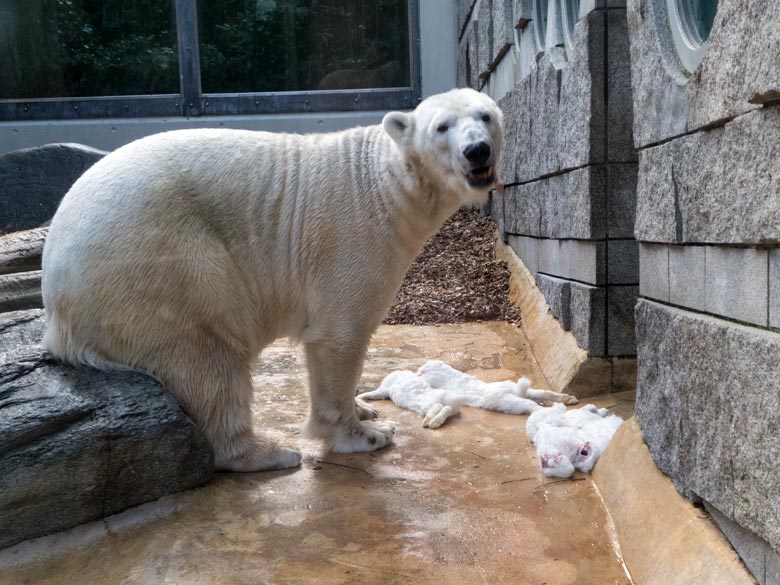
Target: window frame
column 193, row 102
column 569, row 21
column 689, row 51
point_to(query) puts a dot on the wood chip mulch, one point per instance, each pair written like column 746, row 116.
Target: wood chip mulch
column 456, row 278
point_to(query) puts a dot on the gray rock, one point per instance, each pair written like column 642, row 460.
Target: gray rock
column 34, row 180
column 21, row 290
column 716, row 186
column 621, row 335
column 707, row 405
column 77, row 444
column 468, row 61
column 587, row 305
column 22, row 251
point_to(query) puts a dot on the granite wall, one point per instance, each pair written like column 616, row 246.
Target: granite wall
column 708, row 226
column 569, row 165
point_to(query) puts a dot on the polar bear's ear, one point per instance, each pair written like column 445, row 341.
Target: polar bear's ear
column 398, row 125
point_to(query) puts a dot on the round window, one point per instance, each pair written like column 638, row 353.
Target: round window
column 571, row 14
column 540, row 23
column 691, row 23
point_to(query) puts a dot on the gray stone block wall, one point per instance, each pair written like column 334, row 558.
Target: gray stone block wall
column 571, row 169
column 708, row 225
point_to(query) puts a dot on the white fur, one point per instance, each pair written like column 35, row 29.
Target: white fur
column 569, row 440
column 185, row 253
column 438, row 390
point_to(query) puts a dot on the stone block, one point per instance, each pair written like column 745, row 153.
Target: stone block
column 758, row 556
column 621, row 336
column 77, row 444
column 554, row 117
column 468, row 59
column 621, row 199
column 716, row 186
column 587, row 261
column 736, row 283
column 465, row 8
column 774, row 288
column 654, row 271
column 737, row 73
column 556, row 292
column 687, row 284
column 623, row 262
column 33, row 181
column 503, row 30
column 496, row 213
column 552, row 258
column 587, row 309
column 580, row 260
column 707, row 405
column 657, row 80
column 522, row 208
column 485, row 32
column 620, row 111
column 528, row 251
column 587, row 6
column 573, row 205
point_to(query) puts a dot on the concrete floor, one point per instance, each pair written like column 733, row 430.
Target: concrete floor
column 464, row 504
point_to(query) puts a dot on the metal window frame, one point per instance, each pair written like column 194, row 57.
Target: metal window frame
column 192, row 102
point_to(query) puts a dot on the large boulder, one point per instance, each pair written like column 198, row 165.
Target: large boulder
column 77, row 444
column 33, row 181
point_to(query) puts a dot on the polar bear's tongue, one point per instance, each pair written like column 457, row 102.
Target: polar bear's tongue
column 500, row 188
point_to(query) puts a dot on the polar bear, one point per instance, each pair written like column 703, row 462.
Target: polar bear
column 183, row 254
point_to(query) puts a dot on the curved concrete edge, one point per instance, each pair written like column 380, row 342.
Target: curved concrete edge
column 566, row 366
column 664, row 539
column 555, row 349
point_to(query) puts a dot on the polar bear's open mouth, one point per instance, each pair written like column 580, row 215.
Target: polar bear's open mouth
column 481, row 177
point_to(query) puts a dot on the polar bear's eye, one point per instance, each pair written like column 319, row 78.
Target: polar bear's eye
column 442, row 128
column 486, row 118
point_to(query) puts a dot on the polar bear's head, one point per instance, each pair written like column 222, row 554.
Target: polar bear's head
column 456, row 138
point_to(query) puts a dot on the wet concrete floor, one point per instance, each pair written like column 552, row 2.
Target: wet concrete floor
column 464, row 504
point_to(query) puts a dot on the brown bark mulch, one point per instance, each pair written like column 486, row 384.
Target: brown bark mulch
column 456, row 278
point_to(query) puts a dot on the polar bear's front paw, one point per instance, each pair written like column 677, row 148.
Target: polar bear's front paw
column 369, row 436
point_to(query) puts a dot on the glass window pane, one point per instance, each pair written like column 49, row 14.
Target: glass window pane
column 698, row 16
column 79, row 48
column 295, row 45
column 540, row 23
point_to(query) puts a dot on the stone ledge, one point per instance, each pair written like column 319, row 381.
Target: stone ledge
column 664, row 539
column 77, row 444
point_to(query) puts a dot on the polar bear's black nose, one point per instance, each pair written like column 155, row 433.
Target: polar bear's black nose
column 477, row 153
